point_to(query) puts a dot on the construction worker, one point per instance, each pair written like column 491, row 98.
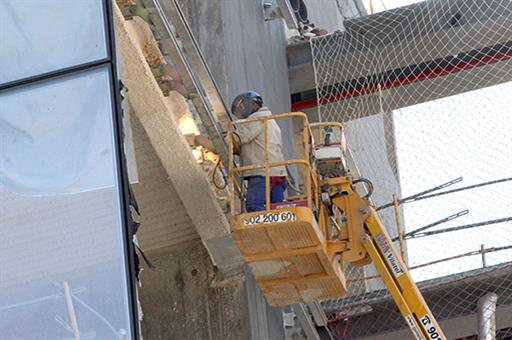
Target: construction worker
column 252, row 151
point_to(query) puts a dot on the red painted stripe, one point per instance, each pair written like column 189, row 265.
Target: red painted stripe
column 310, row 103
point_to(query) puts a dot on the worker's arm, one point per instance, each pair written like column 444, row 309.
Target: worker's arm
column 249, row 131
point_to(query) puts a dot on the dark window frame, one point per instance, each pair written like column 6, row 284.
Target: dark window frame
column 110, row 62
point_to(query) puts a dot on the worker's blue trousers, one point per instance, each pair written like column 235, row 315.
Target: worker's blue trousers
column 256, row 193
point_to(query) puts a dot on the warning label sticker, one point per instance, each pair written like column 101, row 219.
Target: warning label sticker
column 414, row 329
column 431, row 328
column 388, row 253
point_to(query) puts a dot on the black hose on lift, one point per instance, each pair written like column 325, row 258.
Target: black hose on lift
column 217, row 167
column 369, row 185
column 214, row 181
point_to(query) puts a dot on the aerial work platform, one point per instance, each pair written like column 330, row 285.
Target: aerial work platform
column 285, row 247
column 297, row 249
column 288, row 256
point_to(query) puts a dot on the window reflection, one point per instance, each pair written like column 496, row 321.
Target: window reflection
column 59, row 212
column 43, row 36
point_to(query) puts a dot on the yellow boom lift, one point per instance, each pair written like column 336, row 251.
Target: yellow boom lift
column 297, row 249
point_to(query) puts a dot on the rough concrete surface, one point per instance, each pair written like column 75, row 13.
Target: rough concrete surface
column 156, row 114
column 204, row 18
column 182, row 299
column 165, row 222
column 325, row 14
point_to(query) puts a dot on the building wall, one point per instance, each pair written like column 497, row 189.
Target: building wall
column 205, row 21
column 325, row 14
column 183, row 299
column 244, row 52
column 248, row 53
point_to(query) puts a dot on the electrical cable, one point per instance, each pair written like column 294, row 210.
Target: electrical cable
column 214, row 180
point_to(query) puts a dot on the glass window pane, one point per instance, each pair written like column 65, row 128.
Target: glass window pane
column 60, row 221
column 40, row 36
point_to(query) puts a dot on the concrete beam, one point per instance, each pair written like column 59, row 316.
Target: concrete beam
column 300, row 67
column 483, row 24
column 164, row 220
column 156, row 114
column 425, row 90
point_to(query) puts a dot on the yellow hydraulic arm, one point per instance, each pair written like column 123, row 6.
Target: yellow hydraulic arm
column 365, row 230
column 393, row 271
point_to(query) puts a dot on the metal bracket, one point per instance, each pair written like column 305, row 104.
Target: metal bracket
column 318, row 313
column 276, row 9
column 306, row 322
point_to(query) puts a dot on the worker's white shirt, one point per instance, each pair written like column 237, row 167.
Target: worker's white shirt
column 252, row 150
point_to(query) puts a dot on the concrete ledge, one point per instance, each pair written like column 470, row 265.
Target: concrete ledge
column 156, row 114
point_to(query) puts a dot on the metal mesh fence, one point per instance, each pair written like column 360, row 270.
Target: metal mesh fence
column 425, row 94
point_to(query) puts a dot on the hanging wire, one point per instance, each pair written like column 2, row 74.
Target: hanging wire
column 445, row 259
column 412, row 233
column 423, row 195
column 463, row 227
column 415, row 197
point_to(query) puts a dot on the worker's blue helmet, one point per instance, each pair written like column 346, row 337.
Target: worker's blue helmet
column 246, row 104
